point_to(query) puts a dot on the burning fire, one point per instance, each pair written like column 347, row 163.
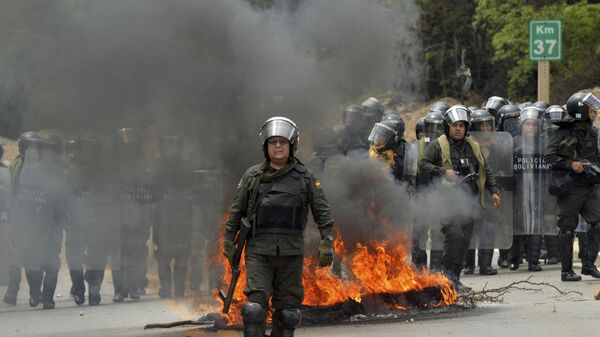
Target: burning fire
column 375, row 268
column 387, row 157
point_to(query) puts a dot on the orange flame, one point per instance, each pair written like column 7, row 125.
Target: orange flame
column 376, row 267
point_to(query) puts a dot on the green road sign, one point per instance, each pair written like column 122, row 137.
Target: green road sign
column 545, row 40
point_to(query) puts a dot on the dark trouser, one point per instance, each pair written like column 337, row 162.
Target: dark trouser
column 180, row 261
column 584, row 200
column 279, row 277
column 419, row 254
column 94, row 279
column 551, row 245
column 42, row 283
column 14, row 280
column 534, row 248
column 75, row 254
column 470, row 260
column 457, row 237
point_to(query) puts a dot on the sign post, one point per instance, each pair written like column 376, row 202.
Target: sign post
column 545, row 44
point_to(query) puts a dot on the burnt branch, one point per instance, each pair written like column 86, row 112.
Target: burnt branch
column 496, row 295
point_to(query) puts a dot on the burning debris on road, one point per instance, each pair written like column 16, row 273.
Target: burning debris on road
column 377, row 280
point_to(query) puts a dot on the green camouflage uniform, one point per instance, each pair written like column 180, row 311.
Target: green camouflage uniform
column 274, row 260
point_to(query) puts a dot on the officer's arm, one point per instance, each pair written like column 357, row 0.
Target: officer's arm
column 552, row 155
column 430, row 164
column 319, row 206
column 490, row 181
column 239, row 208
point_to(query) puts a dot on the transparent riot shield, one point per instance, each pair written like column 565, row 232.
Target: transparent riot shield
column 550, row 202
column 494, row 226
column 411, row 162
column 4, row 229
column 530, row 176
column 137, row 198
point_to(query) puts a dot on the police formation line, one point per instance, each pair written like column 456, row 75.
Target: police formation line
column 551, row 196
column 104, row 199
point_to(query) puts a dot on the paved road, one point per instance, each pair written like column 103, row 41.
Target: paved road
column 523, row 313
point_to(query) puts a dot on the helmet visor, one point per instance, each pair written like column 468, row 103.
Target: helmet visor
column 530, row 112
column 381, row 135
column 484, row 124
column 592, row 101
column 494, row 103
column 458, row 114
column 279, row 127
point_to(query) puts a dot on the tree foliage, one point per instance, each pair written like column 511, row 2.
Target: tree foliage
column 497, row 35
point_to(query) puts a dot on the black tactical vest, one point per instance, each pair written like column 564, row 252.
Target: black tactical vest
column 587, row 145
column 282, row 205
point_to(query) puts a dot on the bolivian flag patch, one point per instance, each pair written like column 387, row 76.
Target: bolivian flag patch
column 318, row 183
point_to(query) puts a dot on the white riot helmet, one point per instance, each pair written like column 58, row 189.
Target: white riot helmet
column 282, row 127
column 457, row 113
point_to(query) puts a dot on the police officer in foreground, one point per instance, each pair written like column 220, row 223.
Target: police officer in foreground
column 275, row 197
column 452, row 157
column 572, row 151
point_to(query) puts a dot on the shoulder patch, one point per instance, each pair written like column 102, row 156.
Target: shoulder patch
column 317, row 183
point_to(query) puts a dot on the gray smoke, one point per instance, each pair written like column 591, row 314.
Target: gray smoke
column 210, row 70
column 368, row 204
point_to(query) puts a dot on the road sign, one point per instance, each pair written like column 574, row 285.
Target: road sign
column 545, row 40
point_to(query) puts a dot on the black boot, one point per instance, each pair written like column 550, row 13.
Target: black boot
column 503, row 258
column 34, row 279
column 419, row 257
column 534, row 248
column 285, row 322
column 94, row 279
column 588, row 264
column 485, row 262
column 179, row 272
column 565, row 243
column 470, row 262
column 78, row 286
column 435, row 259
column 49, row 287
column 14, row 281
column 514, row 256
column 117, row 276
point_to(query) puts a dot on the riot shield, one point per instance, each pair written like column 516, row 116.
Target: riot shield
column 411, row 162
column 4, row 230
column 530, row 175
column 136, row 203
column 494, row 226
column 550, row 201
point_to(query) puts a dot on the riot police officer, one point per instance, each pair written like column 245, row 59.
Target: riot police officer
column 4, row 230
column 433, row 127
column 136, row 199
column 420, row 128
column 15, row 169
column 275, row 197
column 449, row 157
column 387, row 143
column 529, row 181
column 351, row 135
column 494, row 104
column 508, row 119
column 173, row 217
column 573, row 153
column 482, row 121
column 40, row 210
